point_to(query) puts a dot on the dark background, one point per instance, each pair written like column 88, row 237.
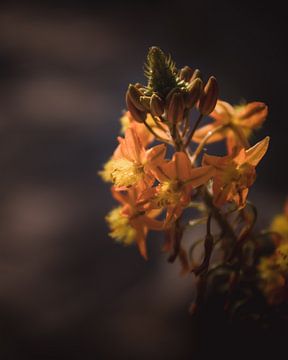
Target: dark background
column 67, row 291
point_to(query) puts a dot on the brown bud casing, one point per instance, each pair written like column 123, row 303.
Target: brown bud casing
column 134, row 94
column 136, row 114
column 209, row 96
column 193, row 93
column 176, row 108
column 156, row 105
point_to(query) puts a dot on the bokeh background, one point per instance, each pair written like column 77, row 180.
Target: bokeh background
column 66, row 290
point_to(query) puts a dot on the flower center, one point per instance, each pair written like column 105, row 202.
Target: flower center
column 169, row 193
column 126, row 172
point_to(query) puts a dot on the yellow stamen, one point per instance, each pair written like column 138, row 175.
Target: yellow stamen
column 169, row 193
column 107, row 171
column 121, row 230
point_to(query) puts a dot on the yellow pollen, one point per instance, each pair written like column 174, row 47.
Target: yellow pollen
column 121, row 230
column 107, row 170
column 169, row 193
column 125, row 172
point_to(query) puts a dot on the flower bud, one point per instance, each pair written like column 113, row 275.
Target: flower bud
column 134, row 94
column 176, row 108
column 145, row 101
column 136, row 114
column 139, row 86
column 209, row 96
column 169, row 96
column 194, row 92
column 156, row 105
column 196, row 75
column 186, row 73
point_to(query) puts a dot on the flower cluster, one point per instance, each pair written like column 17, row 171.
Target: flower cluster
column 160, row 168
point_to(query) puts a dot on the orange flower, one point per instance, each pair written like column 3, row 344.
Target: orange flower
column 235, row 174
column 128, row 224
column 234, row 123
column 176, row 179
column 132, row 164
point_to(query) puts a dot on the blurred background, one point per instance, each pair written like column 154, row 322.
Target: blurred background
column 67, row 291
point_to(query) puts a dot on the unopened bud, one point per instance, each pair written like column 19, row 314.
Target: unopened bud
column 186, row 73
column 176, row 108
column 134, row 94
column 138, row 86
column 209, row 96
column 169, row 96
column 196, row 75
column 194, row 92
column 156, row 105
column 136, row 114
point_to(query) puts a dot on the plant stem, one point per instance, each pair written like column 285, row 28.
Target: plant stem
column 204, row 141
column 153, row 133
column 223, row 223
column 190, row 135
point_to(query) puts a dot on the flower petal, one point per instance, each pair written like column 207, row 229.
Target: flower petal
column 156, row 154
column 183, row 166
column 200, row 134
column 256, row 153
column 253, row 114
column 131, row 147
column 201, row 175
column 223, row 112
column 218, row 162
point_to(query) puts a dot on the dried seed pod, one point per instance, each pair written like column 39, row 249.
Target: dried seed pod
column 134, row 94
column 136, row 114
column 209, row 96
column 156, row 105
column 176, row 108
column 186, row 73
column 194, row 92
